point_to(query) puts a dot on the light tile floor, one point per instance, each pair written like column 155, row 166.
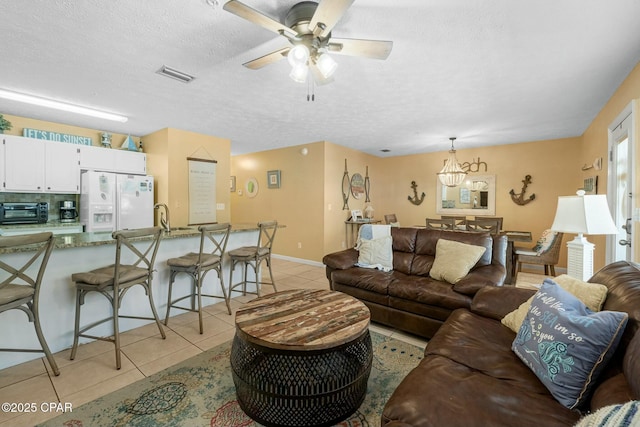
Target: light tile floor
column 92, row 374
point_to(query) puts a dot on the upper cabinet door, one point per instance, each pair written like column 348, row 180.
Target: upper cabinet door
column 131, row 162
column 97, row 158
column 62, row 168
column 24, row 164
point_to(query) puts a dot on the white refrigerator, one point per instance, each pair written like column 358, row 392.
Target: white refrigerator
column 110, row 201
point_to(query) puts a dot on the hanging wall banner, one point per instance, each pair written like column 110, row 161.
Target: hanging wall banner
column 202, row 191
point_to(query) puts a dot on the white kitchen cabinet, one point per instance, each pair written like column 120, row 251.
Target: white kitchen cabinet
column 35, row 165
column 24, row 164
column 112, row 160
column 62, row 168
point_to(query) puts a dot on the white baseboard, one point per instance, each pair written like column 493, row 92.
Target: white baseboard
column 299, row 260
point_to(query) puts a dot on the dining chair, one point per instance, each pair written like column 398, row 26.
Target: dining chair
column 498, row 219
column 196, row 265
column 459, row 220
column 115, row 280
column 20, row 289
column 546, row 252
column 390, row 219
column 483, row 225
column 254, row 256
column 440, row 224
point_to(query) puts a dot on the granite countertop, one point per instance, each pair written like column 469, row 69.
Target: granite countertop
column 77, row 240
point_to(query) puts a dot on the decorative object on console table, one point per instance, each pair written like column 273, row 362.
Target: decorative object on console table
column 273, row 179
column 4, row 124
column 518, row 198
column 582, row 214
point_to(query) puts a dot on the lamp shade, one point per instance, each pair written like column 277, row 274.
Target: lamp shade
column 452, row 174
column 584, row 214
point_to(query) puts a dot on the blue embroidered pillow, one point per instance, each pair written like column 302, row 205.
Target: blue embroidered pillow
column 565, row 344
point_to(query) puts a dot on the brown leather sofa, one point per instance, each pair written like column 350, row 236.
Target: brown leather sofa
column 407, row 298
column 470, row 377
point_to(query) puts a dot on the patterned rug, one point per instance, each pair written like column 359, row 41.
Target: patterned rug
column 200, row 392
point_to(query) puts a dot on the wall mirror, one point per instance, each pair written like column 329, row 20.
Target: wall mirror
column 475, row 196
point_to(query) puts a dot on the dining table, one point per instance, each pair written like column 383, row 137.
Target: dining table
column 512, row 238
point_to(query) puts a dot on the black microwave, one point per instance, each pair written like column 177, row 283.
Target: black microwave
column 24, row 213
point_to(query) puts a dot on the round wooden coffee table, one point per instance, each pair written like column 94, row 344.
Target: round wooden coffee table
column 301, row 358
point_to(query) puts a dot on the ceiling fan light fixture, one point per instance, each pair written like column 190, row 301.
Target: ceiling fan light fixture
column 326, row 64
column 298, row 55
column 299, row 73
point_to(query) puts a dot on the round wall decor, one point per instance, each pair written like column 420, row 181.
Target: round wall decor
column 251, row 187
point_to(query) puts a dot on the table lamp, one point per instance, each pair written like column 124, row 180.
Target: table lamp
column 582, row 214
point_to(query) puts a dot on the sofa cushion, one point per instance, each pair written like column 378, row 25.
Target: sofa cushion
column 565, row 344
column 404, row 245
column 426, row 241
column 623, row 415
column 427, row 291
column 592, row 295
column 454, row 260
column 371, row 280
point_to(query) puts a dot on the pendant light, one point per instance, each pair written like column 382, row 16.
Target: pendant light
column 452, row 174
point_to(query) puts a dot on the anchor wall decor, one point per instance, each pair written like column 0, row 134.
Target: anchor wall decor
column 416, row 200
column 518, row 198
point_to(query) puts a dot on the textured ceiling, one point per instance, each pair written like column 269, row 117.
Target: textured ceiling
column 489, row 72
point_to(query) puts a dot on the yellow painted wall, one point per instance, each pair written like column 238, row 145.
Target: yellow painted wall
column 297, row 204
column 167, row 152
column 595, row 144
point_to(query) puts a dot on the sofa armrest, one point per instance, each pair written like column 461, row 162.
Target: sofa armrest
column 497, row 302
column 341, row 260
column 489, row 275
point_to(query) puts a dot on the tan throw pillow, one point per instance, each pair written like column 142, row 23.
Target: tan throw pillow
column 454, row 260
column 591, row 294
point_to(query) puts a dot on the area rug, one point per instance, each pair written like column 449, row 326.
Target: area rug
column 200, row 392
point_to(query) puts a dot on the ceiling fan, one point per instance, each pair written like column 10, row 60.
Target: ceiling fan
column 307, row 26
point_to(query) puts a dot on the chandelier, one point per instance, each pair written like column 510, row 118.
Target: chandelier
column 452, row 174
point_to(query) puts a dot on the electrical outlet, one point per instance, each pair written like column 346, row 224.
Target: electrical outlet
column 329, row 207
column 299, row 245
column 343, row 244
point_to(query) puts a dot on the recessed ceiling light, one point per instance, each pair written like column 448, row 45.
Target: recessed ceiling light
column 385, row 150
column 59, row 105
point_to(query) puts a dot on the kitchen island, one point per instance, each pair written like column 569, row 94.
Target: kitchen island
column 86, row 251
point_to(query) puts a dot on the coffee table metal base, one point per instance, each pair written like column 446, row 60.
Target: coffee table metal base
column 301, row 388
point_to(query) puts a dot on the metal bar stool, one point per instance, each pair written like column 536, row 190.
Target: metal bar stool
column 253, row 256
column 197, row 265
column 15, row 295
column 115, row 280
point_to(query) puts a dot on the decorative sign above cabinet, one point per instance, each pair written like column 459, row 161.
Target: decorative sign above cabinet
column 56, row 136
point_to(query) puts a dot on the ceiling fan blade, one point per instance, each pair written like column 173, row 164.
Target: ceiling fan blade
column 267, row 59
column 317, row 75
column 327, row 16
column 252, row 15
column 376, row 49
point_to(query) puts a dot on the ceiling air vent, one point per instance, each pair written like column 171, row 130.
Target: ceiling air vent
column 175, row 74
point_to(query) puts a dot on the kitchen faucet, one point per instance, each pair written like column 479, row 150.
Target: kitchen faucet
column 166, row 224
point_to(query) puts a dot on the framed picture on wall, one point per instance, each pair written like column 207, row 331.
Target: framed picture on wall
column 273, row 179
column 591, row 185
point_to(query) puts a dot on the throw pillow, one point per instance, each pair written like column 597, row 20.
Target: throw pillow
column 376, row 253
column 545, row 241
column 454, row 260
column 591, row 294
column 623, row 415
column 565, row 344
